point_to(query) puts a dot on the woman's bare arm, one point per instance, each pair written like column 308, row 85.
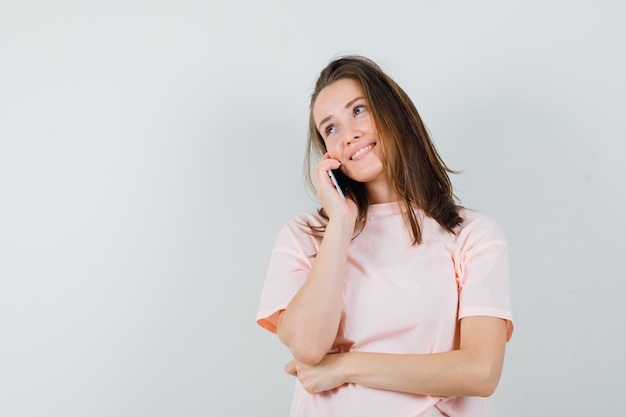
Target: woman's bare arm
column 309, row 324
column 472, row 370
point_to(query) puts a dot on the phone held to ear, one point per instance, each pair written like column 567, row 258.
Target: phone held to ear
column 337, row 186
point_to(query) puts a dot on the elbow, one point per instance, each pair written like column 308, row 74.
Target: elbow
column 486, row 390
column 302, row 350
column 486, row 380
column 307, row 353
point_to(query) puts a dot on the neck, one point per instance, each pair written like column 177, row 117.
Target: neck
column 380, row 193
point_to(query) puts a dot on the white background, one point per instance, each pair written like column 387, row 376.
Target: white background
column 151, row 150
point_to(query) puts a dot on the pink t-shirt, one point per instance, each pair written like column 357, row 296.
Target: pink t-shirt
column 398, row 298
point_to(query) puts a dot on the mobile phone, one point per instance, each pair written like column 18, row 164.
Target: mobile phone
column 333, row 178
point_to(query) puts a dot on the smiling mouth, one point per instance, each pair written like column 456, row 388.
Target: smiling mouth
column 361, row 151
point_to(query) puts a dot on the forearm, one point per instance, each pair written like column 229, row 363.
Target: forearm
column 456, row 373
column 309, row 324
column 472, row 370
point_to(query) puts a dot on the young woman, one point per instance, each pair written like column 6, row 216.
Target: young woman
column 395, row 300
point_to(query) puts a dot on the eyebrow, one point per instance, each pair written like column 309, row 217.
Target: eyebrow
column 327, row 118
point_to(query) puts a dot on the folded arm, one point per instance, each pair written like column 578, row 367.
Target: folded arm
column 472, row 370
column 309, row 324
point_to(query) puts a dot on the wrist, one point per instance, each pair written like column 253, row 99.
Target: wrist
column 343, row 226
column 345, row 366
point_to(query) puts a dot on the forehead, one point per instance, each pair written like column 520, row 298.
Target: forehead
column 334, row 97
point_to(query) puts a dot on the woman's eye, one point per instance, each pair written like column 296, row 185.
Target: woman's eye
column 330, row 130
column 359, row 109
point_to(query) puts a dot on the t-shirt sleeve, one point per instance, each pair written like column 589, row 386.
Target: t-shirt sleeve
column 289, row 266
column 483, row 271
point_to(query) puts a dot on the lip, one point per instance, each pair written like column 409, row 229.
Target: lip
column 364, row 151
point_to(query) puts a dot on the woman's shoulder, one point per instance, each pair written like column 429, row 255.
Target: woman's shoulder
column 478, row 225
column 307, row 219
column 300, row 230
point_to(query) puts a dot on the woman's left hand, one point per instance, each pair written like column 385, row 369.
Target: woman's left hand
column 318, row 378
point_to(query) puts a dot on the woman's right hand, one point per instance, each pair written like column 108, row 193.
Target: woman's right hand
column 309, row 324
column 335, row 207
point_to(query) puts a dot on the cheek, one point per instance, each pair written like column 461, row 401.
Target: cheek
column 333, row 150
column 373, row 126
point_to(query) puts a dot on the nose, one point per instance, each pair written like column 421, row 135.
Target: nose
column 353, row 134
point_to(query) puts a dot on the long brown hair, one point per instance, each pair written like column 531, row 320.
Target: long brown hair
column 415, row 169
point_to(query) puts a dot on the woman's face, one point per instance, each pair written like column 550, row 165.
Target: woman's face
column 342, row 116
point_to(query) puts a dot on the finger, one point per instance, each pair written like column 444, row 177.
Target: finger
column 290, row 368
column 327, row 159
column 329, row 163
